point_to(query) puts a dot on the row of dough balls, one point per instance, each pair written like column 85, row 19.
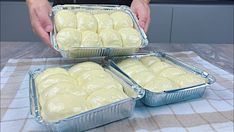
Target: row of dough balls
column 83, row 29
column 125, row 37
column 157, row 76
column 85, row 86
column 83, row 21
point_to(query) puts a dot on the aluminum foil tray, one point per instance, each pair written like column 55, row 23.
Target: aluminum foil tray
column 171, row 96
column 93, row 118
column 76, row 52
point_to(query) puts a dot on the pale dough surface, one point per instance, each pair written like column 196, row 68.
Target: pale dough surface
column 104, row 21
column 68, row 38
column 130, row 37
column 121, row 20
column 65, row 19
column 85, row 86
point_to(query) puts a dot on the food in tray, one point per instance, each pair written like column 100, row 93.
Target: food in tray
column 68, row 38
column 63, row 93
column 160, row 84
column 187, row 80
column 90, row 39
column 121, row 20
column 86, row 21
column 130, row 37
column 49, row 72
column 64, row 105
column 105, row 96
column 104, row 21
column 110, row 38
column 65, row 19
column 97, row 30
column 157, row 75
column 149, row 60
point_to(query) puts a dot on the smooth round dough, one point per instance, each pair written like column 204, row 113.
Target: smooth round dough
column 53, row 79
column 85, row 66
column 160, row 84
column 187, row 80
column 110, row 38
column 68, row 38
column 92, row 85
column 49, row 72
column 106, row 96
column 142, row 78
column 92, row 74
column 128, row 63
column 63, row 106
column 86, row 21
column 90, row 39
column 130, row 37
column 171, row 72
column 65, row 19
column 135, row 69
column 159, row 66
column 61, row 88
column 149, row 60
column 121, row 20
column 104, row 21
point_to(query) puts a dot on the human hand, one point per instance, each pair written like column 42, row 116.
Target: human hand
column 142, row 11
column 39, row 15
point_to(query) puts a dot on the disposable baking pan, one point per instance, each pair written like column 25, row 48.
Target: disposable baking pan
column 75, row 52
column 170, row 96
column 93, row 118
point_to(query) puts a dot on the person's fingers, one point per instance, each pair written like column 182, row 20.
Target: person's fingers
column 45, row 20
column 147, row 22
column 38, row 28
column 41, row 33
column 142, row 16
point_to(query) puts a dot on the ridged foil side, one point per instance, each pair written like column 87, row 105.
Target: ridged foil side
column 158, row 99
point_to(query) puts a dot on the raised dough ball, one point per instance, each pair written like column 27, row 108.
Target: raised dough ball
column 65, row 19
column 128, row 63
column 160, row 84
column 49, row 72
column 149, row 60
column 85, row 66
column 135, row 69
column 106, row 96
column 86, row 21
column 97, row 79
column 104, row 21
column 188, row 80
column 68, row 38
column 142, row 78
column 171, row 72
column 90, row 39
column 61, row 88
column 159, row 66
column 130, row 37
column 53, row 79
column 121, row 20
column 63, row 106
column 110, row 38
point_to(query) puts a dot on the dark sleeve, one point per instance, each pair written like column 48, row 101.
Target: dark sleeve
column 116, row 2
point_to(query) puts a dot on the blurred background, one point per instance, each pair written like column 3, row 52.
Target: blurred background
column 173, row 21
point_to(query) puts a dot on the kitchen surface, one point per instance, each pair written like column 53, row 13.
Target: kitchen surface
column 181, row 79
